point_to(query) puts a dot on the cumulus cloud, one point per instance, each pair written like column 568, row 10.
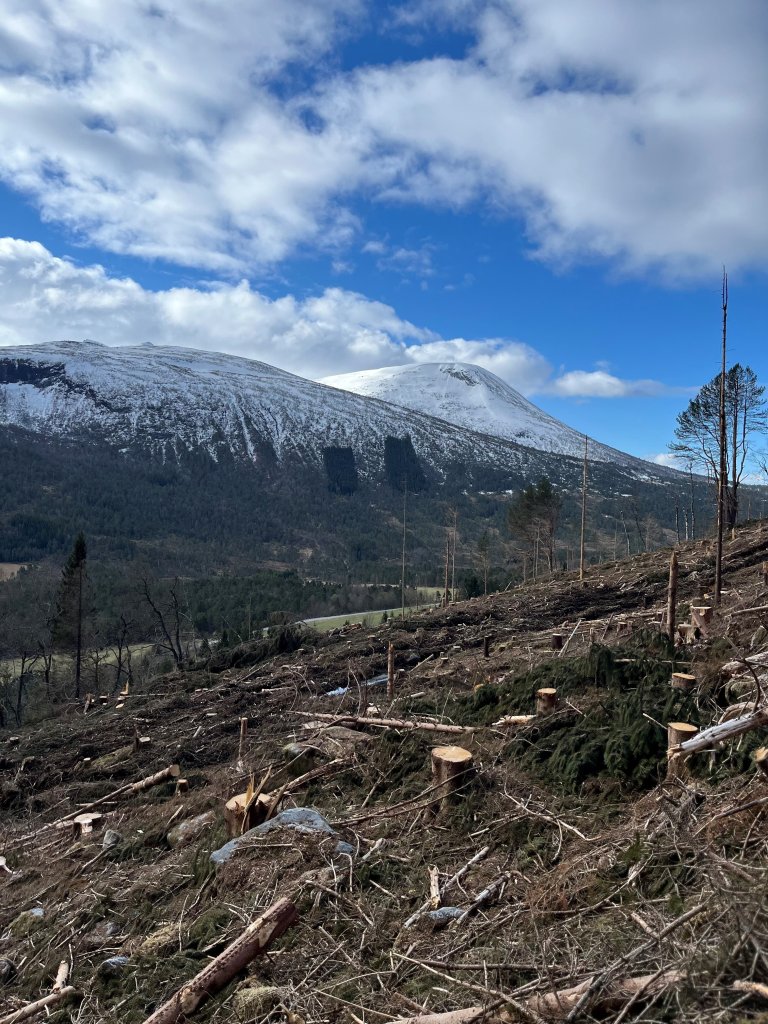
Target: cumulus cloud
column 601, row 384
column 336, row 331
column 626, row 130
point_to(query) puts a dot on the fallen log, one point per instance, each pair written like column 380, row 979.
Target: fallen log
column 171, row 772
column 32, row 1009
column 387, row 723
column 256, row 939
column 559, row 1004
column 709, row 738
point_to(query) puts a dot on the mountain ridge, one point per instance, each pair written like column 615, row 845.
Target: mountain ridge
column 472, row 397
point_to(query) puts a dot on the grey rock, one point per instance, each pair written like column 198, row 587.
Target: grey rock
column 111, row 838
column 114, row 965
column 7, row 970
column 297, row 819
column 440, row 918
column 191, row 829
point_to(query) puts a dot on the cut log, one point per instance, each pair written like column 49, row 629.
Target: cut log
column 683, row 681
column 32, row 1009
column 242, row 814
column 103, row 699
column 556, row 641
column 172, row 771
column 559, row 1005
column 164, row 775
column 546, row 700
column 256, row 939
column 387, row 723
column 450, row 766
column 709, row 738
column 509, row 720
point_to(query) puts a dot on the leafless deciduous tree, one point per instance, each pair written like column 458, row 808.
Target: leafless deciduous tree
column 698, row 430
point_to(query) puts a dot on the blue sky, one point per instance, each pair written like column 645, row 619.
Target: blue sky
column 548, row 188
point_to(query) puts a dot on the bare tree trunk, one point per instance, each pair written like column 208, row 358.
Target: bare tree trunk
column 672, row 596
column 583, row 509
column 723, row 464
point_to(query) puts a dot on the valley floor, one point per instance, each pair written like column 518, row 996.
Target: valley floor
column 574, row 875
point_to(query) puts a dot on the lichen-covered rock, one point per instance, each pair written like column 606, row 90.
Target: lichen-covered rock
column 163, row 940
column 298, row 819
column 253, row 1002
column 191, row 829
column 25, row 923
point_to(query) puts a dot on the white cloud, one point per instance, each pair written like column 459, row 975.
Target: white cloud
column 602, row 122
column 667, row 459
column 629, row 130
column 47, row 298
column 600, row 384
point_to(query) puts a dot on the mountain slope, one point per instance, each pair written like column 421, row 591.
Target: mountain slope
column 171, row 400
column 471, row 397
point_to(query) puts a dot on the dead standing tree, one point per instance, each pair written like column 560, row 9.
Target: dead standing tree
column 168, row 622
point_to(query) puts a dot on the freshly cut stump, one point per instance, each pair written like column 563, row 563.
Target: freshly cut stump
column 761, row 759
column 450, row 766
column 239, row 820
column 683, row 681
column 546, row 700
column 678, row 732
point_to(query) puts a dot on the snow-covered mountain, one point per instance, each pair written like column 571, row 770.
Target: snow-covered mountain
column 168, row 401
column 471, row 397
column 172, row 400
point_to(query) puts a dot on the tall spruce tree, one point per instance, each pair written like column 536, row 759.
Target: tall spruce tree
column 68, row 624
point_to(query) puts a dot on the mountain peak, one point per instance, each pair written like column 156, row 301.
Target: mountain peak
column 475, row 398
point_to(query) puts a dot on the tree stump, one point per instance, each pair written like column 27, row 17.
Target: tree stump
column 683, row 681
column 701, row 616
column 678, row 732
column 87, row 823
column 556, row 641
column 450, row 766
column 182, row 786
column 240, row 820
column 761, row 759
column 486, row 647
column 391, row 671
column 546, row 700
